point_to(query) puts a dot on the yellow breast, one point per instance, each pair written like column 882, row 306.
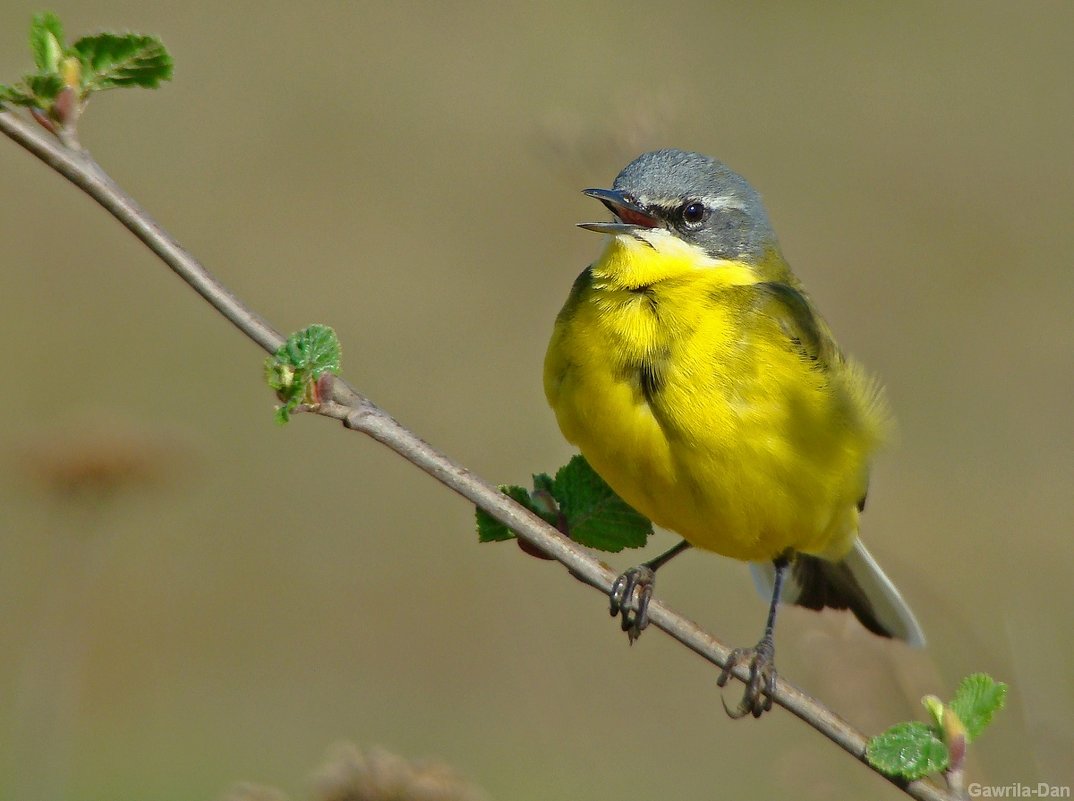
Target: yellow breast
column 700, row 410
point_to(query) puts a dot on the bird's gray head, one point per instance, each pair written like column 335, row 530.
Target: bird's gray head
column 695, row 197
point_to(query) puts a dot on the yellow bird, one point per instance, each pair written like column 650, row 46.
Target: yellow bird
column 693, row 372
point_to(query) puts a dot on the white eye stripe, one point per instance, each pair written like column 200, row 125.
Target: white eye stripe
column 723, row 203
column 718, row 202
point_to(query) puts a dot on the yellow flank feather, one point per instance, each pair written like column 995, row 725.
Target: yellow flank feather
column 709, row 394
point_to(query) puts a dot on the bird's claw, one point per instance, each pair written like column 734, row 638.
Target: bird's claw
column 630, row 599
column 761, row 686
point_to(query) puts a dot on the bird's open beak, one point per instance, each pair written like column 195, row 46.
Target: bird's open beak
column 629, row 216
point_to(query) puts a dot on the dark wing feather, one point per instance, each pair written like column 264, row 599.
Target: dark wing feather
column 831, row 584
column 791, row 310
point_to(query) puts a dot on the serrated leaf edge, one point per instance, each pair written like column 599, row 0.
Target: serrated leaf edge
column 924, row 731
column 974, row 721
column 149, row 55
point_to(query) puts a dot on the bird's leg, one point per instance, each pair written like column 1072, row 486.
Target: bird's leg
column 632, row 590
column 761, row 658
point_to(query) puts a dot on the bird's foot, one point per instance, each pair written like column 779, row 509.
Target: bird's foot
column 761, row 685
column 630, row 599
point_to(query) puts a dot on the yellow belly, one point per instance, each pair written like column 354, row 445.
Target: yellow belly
column 738, row 444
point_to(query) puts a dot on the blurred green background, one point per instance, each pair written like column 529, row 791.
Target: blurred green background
column 410, row 174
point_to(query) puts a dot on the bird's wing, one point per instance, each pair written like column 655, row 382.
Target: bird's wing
column 856, row 582
column 805, row 329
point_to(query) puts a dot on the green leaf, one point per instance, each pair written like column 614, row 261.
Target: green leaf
column 293, row 371
column 15, row 96
column 314, row 350
column 112, row 60
column 543, row 501
column 910, row 750
column 596, row 516
column 44, row 88
column 593, row 514
column 491, row 530
column 545, row 482
column 977, row 699
column 46, row 41
column 935, row 707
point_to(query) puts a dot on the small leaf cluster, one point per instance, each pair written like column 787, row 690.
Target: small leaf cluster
column 301, row 369
column 67, row 75
column 913, row 750
column 580, row 504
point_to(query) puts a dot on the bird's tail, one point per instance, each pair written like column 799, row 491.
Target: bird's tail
column 856, row 583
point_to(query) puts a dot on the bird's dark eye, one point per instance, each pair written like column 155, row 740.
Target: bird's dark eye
column 694, row 213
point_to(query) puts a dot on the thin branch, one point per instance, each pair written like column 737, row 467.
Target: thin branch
column 358, row 413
